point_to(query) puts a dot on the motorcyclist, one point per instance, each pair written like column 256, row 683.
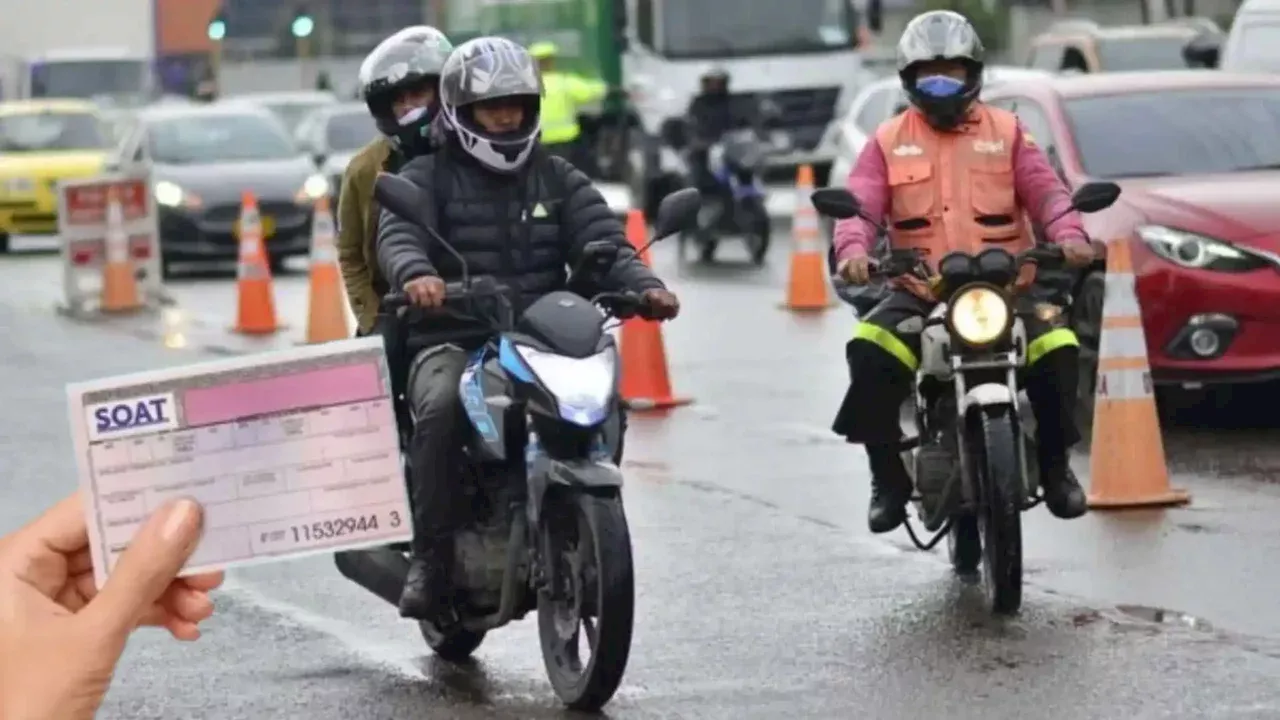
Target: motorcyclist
column 952, row 173
column 711, row 114
column 511, row 210
column 399, row 81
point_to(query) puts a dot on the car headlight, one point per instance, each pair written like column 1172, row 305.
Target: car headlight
column 1197, row 251
column 316, row 187
column 979, row 315
column 170, row 195
column 582, row 387
column 19, row 186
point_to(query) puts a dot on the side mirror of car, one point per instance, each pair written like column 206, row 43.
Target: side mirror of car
column 1204, row 51
column 836, row 203
column 677, row 211
column 1094, row 197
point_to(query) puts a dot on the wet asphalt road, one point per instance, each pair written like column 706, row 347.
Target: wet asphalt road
column 760, row 594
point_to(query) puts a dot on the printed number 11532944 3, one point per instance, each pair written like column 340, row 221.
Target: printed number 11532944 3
column 289, row 453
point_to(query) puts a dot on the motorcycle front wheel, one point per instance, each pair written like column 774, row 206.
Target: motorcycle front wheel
column 756, row 227
column 1000, row 511
column 592, row 599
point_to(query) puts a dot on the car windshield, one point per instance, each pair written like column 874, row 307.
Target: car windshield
column 1177, row 132
column 753, row 27
column 349, row 131
column 207, row 139
column 293, row 112
column 1142, row 53
column 1257, row 48
column 88, row 78
column 52, row 131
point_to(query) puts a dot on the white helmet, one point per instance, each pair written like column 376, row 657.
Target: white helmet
column 491, row 68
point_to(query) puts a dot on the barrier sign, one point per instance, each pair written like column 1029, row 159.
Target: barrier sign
column 82, row 226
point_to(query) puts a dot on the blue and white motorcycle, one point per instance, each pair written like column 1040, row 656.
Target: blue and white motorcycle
column 544, row 526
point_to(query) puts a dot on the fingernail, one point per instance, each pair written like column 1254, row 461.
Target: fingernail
column 183, row 514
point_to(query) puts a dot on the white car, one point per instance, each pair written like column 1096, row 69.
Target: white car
column 883, row 99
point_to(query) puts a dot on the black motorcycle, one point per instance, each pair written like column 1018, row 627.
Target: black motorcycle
column 975, row 428
column 545, row 527
column 738, row 205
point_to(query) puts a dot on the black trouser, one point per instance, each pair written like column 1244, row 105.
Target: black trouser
column 884, row 356
column 432, row 395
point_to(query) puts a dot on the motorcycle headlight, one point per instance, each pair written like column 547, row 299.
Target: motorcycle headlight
column 582, row 387
column 1198, row 252
column 978, row 315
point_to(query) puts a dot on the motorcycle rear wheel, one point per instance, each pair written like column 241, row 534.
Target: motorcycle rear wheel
column 756, row 228
column 1000, row 512
column 964, row 545
column 591, row 544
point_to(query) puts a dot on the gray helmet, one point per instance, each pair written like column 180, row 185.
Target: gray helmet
column 941, row 35
column 490, row 68
column 411, row 57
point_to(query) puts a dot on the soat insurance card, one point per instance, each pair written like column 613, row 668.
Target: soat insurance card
column 290, row 453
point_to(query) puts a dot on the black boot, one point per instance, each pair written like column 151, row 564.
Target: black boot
column 1062, row 492
column 428, row 589
column 890, row 489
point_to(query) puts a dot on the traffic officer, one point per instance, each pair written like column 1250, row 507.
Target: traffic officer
column 565, row 94
column 399, row 81
column 951, row 173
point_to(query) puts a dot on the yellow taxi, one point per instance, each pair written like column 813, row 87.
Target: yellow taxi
column 42, row 142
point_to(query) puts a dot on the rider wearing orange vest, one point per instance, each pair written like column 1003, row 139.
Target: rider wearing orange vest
column 951, row 173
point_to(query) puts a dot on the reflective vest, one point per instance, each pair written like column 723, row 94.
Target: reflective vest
column 953, row 190
column 563, row 96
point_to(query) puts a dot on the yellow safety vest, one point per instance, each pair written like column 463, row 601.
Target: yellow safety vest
column 563, row 95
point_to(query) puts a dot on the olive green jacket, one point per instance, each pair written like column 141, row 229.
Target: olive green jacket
column 358, row 232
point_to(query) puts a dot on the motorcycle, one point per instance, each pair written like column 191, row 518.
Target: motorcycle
column 738, row 208
column 544, row 527
column 975, row 427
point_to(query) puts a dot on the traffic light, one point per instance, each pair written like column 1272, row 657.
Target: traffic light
column 303, row 24
column 218, row 27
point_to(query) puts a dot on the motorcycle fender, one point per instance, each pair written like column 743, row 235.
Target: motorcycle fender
column 586, row 474
column 987, row 395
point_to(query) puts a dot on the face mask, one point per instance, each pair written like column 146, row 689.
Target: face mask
column 412, row 116
column 940, row 86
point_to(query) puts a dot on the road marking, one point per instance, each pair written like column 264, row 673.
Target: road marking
column 354, row 639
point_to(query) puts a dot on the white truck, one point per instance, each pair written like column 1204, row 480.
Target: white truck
column 92, row 49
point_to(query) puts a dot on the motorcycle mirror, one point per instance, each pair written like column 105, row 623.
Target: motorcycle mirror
column 836, row 203
column 1094, row 197
column 401, row 197
column 677, row 211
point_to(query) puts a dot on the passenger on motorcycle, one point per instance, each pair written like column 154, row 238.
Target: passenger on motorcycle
column 950, row 174
column 399, row 81
column 512, row 211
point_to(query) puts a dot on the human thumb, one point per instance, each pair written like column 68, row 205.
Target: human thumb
column 148, row 566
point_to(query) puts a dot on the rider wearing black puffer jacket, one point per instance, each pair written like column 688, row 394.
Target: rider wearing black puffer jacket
column 511, row 211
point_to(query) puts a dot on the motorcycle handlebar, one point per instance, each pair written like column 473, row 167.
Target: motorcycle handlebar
column 482, row 286
column 907, row 262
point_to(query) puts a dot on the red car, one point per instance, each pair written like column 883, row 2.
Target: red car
column 1197, row 155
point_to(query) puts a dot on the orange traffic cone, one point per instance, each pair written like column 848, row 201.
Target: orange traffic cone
column 1127, row 468
column 807, row 285
column 645, row 384
column 327, row 315
column 119, row 284
column 256, row 307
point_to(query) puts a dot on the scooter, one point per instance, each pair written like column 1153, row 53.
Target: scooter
column 544, row 527
column 975, row 428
